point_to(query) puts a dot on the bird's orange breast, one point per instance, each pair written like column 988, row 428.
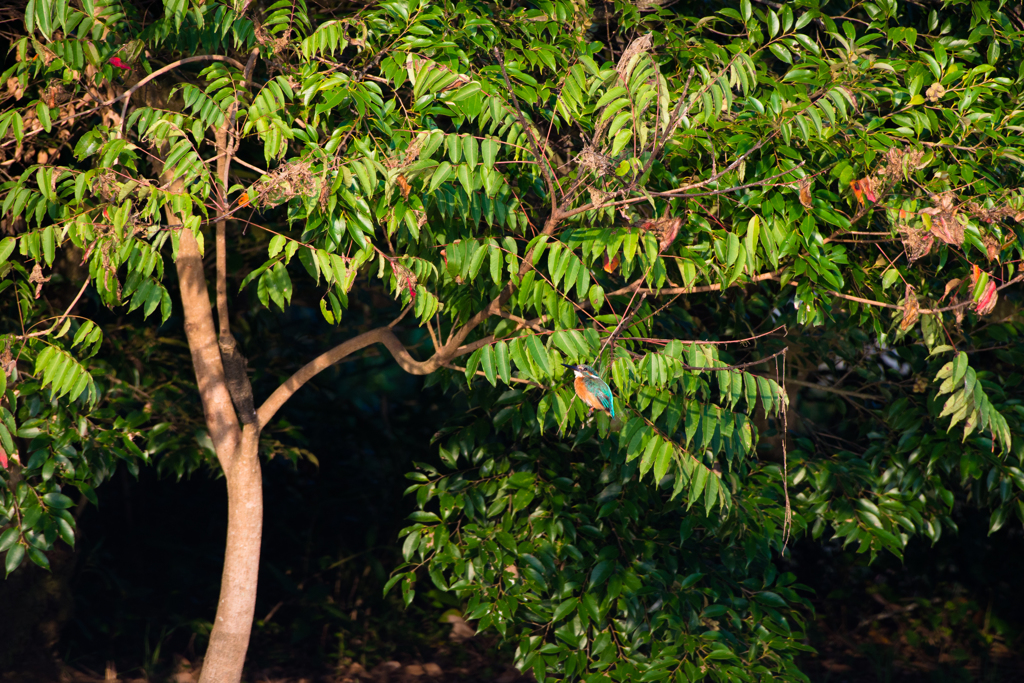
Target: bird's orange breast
column 586, row 395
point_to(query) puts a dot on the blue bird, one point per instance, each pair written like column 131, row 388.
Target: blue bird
column 591, row 389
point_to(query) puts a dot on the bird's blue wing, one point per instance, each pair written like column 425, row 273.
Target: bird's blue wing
column 607, row 400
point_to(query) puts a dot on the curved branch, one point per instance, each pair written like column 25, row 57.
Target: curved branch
column 452, row 349
column 381, row 335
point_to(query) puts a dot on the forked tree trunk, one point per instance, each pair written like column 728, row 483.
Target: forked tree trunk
column 237, row 451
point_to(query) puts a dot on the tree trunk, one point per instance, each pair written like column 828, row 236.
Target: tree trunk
column 236, row 608
column 238, row 453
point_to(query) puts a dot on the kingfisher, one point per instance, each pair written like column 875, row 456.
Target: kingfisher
column 591, row 389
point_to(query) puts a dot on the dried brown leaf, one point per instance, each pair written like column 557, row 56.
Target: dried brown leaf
column 404, row 185
column 36, row 278
column 947, row 228
column 992, row 247
column 631, row 54
column 911, row 309
column 950, row 287
column 935, row 92
column 805, row 193
column 665, row 229
column 916, row 242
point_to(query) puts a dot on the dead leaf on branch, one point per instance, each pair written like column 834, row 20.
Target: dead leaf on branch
column 805, row 193
column 592, row 160
column 911, row 309
column 609, row 266
column 289, row 180
column 665, row 229
column 992, row 247
column 935, row 92
column 36, row 278
column 631, row 54
column 916, row 242
column 864, row 189
column 950, row 286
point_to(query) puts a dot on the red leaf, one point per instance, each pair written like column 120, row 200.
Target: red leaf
column 116, row 61
column 988, row 299
column 3, row 458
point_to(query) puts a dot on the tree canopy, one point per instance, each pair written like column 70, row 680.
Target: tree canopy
column 785, row 234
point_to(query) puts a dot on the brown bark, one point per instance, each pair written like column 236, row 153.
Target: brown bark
column 238, row 453
column 229, row 641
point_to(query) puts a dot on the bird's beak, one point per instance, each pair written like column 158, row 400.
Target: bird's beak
column 571, row 367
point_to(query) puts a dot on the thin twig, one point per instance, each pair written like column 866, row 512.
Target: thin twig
column 127, row 95
column 685, row 195
column 923, row 311
column 626, row 318
column 723, row 368
column 481, row 373
column 835, row 390
column 668, row 291
column 548, row 177
column 43, row 333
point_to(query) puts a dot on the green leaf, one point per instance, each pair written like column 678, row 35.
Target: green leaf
column 470, row 150
column 564, row 609
column 8, row 539
column 423, row 516
column 14, row 557
column 489, row 149
column 600, row 573
column 501, row 360
column 441, row 174
column 7, row 245
column 890, row 278
column 487, row 362
column 58, row 501
column 539, row 354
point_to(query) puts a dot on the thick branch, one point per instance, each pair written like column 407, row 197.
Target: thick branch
column 381, row 335
column 202, row 342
